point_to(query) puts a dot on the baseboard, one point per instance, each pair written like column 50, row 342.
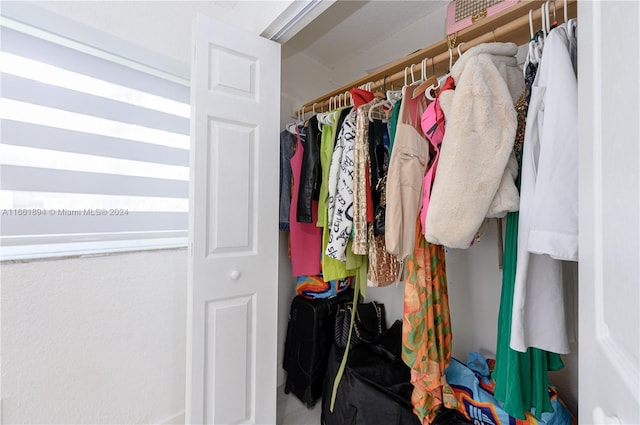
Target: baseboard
column 177, row 419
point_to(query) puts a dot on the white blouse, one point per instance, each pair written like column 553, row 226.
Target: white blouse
column 548, row 222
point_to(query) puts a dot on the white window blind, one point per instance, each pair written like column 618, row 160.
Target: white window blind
column 94, row 152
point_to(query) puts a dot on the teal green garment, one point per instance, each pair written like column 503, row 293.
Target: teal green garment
column 521, row 378
column 393, row 123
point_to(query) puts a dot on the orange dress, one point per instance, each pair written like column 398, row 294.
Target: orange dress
column 426, row 330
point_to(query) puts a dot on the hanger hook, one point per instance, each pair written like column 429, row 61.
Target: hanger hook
column 450, row 59
column 531, row 24
column 405, row 75
column 313, row 109
column 566, row 14
column 544, row 26
column 412, row 76
column 458, row 48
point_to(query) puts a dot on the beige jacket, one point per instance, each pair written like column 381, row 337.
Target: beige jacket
column 476, row 172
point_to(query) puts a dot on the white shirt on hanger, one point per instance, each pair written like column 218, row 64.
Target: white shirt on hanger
column 340, row 203
column 548, row 223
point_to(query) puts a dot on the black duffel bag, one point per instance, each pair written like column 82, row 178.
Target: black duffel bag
column 375, row 387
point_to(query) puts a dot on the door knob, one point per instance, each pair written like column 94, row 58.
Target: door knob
column 235, row 275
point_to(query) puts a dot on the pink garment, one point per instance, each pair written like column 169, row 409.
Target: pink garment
column 433, row 128
column 306, row 238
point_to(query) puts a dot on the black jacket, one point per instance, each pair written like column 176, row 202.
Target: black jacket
column 311, row 174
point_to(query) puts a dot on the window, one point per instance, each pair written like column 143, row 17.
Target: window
column 94, row 151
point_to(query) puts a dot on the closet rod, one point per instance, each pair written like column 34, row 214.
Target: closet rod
column 510, row 25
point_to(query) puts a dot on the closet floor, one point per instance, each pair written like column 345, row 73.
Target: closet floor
column 291, row 411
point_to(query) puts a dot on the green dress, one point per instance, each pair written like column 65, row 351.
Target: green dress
column 521, row 378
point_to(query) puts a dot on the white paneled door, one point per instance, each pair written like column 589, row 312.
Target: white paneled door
column 609, row 107
column 233, row 227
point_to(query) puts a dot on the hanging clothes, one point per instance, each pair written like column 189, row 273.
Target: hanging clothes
column 521, row 378
column 332, row 269
column 477, row 146
column 426, row 329
column 287, row 146
column 327, row 142
column 340, row 211
column 310, row 174
column 361, row 189
column 379, row 160
column 305, row 238
column 405, row 178
column 433, row 127
column 548, row 221
column 393, row 123
column 384, row 268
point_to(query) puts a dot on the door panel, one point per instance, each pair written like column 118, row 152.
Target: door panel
column 609, row 93
column 234, row 73
column 224, row 365
column 231, row 161
column 232, row 292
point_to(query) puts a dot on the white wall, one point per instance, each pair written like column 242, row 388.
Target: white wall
column 100, row 339
column 94, row 340
column 415, row 36
column 165, row 26
column 303, row 79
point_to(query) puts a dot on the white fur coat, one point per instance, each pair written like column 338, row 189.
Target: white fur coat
column 476, row 172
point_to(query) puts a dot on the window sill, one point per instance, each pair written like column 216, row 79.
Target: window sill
column 28, row 254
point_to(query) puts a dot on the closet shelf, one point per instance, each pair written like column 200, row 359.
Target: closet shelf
column 510, row 25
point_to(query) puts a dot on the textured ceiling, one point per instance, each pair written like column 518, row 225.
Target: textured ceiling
column 349, row 27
